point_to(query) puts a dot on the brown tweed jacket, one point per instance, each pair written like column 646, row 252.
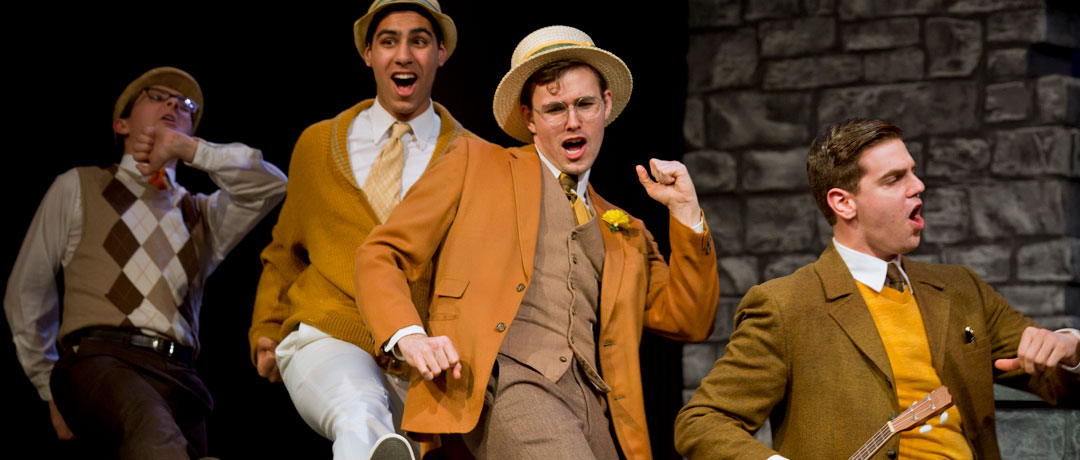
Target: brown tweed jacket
column 806, row 353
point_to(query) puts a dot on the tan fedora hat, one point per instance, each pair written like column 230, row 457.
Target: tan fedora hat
column 449, row 31
column 165, row 76
column 547, row 45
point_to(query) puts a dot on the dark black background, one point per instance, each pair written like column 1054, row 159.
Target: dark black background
column 267, row 73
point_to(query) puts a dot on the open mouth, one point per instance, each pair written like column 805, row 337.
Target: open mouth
column 403, row 81
column 574, row 147
column 169, row 119
column 916, row 218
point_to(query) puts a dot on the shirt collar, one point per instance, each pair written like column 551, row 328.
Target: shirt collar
column 867, row 269
column 127, row 163
column 422, row 125
column 583, row 179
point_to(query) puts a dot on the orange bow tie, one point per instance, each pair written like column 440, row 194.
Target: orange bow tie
column 159, row 179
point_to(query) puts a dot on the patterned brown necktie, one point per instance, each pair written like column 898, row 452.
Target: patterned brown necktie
column 569, row 185
column 383, row 183
column 893, row 278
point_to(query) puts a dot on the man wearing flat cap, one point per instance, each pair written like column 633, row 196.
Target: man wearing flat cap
column 136, row 249
column 542, row 287
column 348, row 174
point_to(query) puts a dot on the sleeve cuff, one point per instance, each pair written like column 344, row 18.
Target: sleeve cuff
column 1074, row 369
column 407, row 330
column 777, row 457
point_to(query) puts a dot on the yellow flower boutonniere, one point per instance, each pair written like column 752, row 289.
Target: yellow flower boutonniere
column 616, row 220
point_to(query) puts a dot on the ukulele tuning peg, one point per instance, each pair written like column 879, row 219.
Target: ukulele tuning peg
column 944, row 417
column 925, row 429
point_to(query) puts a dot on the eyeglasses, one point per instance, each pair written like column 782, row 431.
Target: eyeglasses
column 556, row 113
column 186, row 104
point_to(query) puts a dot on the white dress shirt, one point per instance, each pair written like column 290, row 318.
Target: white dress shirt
column 369, row 132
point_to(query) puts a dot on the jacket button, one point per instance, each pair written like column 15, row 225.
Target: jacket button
column 890, row 453
column 562, row 358
column 573, row 236
column 500, row 327
column 520, row 287
column 574, row 259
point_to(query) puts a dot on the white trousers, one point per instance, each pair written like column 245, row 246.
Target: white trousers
column 339, row 390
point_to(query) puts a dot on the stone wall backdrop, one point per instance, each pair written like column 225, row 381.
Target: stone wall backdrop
column 988, row 96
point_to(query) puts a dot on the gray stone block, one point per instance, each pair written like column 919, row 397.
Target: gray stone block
column 983, row 6
column 991, row 262
column 925, row 258
column 698, row 359
column 725, row 219
column 957, row 158
column 775, row 170
column 953, row 46
column 712, row 171
column 763, row 9
column 724, row 324
column 1056, row 322
column 813, row 72
column 1006, row 64
column 880, row 34
column 917, row 153
column 780, row 224
column 1033, row 151
column 1054, row 260
column 687, row 394
column 824, row 231
column 1058, row 98
column 819, row 7
column 945, row 210
column 1035, row 300
column 694, row 123
column 737, row 274
column 797, row 36
column 1004, row 393
column 1031, row 433
column 747, row 118
column 714, row 13
column 919, row 108
column 894, row 65
column 722, row 59
column 860, row 9
column 787, row 264
column 1007, row 102
column 1039, row 25
column 1013, row 208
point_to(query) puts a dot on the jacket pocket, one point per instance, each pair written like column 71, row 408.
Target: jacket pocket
column 448, row 292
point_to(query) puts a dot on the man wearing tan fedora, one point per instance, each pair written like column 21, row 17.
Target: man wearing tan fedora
column 136, row 249
column 542, row 288
column 835, row 350
column 348, row 174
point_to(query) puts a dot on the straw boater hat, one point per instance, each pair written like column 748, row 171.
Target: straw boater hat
column 449, row 32
column 555, row 43
column 165, row 76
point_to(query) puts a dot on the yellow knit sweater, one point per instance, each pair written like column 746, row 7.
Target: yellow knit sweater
column 308, row 267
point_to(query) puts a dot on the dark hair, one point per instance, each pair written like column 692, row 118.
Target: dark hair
column 551, row 72
column 833, row 159
column 375, row 20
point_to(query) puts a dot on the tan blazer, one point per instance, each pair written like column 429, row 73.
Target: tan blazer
column 476, row 212
column 806, row 352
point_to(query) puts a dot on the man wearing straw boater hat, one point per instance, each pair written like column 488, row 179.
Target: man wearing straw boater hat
column 349, row 173
column 542, row 287
column 136, row 249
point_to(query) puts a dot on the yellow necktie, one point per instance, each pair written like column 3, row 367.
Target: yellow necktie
column 383, row 183
column 569, row 186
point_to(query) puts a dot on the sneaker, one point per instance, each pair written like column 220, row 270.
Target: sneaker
column 392, row 447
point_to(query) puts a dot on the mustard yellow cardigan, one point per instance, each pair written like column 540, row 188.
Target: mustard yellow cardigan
column 308, row 267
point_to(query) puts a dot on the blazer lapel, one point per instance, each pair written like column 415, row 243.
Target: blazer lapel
column 614, row 260
column 525, row 173
column 934, row 307
column 847, row 307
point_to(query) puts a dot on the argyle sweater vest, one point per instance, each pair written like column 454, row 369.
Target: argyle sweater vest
column 139, row 262
column 559, row 310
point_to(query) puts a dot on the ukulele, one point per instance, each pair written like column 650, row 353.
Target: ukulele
column 920, row 411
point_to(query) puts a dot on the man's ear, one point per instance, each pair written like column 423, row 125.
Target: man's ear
column 527, row 115
column 442, row 54
column 842, row 203
column 607, row 104
column 367, row 55
column 120, row 127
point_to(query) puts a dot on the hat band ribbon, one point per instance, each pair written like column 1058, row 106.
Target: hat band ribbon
column 553, row 45
column 421, row 2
